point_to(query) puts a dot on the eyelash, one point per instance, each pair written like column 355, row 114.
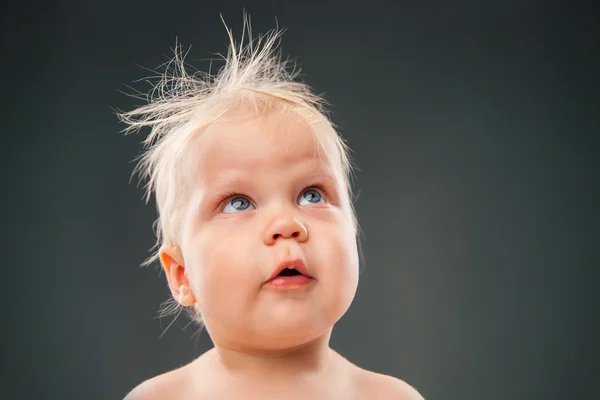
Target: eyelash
column 231, row 195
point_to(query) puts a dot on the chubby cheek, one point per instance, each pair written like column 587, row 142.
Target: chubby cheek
column 338, row 267
column 225, row 275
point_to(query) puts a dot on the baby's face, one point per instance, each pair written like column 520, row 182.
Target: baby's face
column 263, row 192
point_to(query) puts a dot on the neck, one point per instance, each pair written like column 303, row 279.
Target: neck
column 301, row 362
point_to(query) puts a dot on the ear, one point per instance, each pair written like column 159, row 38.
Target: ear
column 172, row 262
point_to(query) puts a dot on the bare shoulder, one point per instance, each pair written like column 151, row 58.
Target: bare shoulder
column 381, row 386
column 163, row 386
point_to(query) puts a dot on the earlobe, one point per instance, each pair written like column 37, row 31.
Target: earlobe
column 174, row 267
column 185, row 296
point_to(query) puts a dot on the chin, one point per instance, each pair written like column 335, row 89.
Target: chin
column 295, row 329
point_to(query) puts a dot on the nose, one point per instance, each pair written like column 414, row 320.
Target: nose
column 285, row 227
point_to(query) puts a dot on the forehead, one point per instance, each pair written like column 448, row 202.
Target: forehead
column 277, row 142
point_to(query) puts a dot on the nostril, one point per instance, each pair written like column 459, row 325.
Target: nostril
column 279, row 235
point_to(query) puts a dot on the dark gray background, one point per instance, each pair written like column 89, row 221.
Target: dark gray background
column 475, row 125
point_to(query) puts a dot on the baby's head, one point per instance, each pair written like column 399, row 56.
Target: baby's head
column 250, row 177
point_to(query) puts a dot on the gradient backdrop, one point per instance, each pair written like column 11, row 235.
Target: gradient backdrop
column 476, row 128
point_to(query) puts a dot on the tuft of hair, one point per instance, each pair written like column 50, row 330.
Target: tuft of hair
column 181, row 104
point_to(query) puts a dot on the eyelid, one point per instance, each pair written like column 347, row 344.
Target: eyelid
column 222, row 202
column 320, row 187
column 230, row 196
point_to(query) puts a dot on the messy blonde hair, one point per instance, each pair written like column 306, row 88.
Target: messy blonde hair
column 181, row 105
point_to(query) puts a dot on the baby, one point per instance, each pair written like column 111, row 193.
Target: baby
column 256, row 231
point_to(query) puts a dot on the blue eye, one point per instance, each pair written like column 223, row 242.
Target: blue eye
column 311, row 196
column 238, row 204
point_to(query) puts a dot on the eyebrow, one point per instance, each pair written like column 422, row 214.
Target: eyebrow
column 237, row 179
column 229, row 178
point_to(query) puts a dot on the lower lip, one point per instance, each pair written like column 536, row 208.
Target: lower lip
column 290, row 282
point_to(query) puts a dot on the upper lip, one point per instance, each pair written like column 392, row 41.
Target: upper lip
column 296, row 264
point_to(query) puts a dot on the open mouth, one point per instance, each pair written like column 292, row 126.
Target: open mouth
column 290, row 279
column 290, row 275
column 289, row 272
